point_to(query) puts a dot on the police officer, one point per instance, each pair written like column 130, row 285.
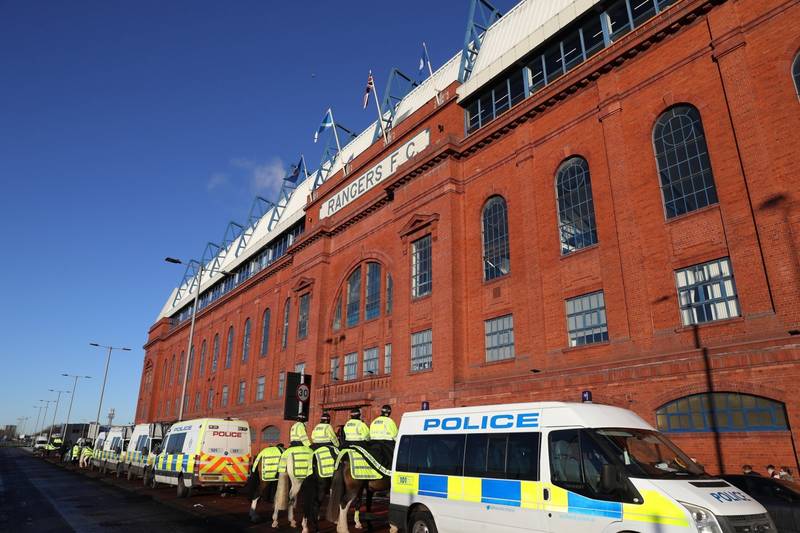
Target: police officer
column 298, row 435
column 76, row 451
column 323, row 432
column 356, row 430
column 382, row 433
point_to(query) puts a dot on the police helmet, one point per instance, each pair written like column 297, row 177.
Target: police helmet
column 301, row 417
column 386, row 410
column 325, row 418
column 355, row 413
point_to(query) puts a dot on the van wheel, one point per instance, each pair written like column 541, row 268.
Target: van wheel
column 184, row 490
column 421, row 522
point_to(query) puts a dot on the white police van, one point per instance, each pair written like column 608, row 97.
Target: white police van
column 555, row 467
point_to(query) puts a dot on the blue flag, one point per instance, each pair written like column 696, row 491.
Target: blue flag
column 295, row 172
column 327, row 122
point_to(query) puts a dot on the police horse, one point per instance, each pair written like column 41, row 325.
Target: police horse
column 346, row 490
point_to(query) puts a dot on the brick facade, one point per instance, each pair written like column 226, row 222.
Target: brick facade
column 732, row 61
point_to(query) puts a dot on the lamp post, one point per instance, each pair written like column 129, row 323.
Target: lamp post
column 55, row 411
column 46, row 406
column 105, row 377
column 71, row 398
column 38, row 415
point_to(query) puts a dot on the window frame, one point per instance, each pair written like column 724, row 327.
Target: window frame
column 601, row 325
column 350, row 366
column 423, row 362
column 500, row 333
column 706, row 286
column 372, row 291
column 261, row 384
column 229, row 347
column 303, row 307
column 495, row 244
column 422, row 266
column 266, row 316
column 575, row 209
column 285, row 332
column 353, row 300
column 702, row 413
column 246, row 340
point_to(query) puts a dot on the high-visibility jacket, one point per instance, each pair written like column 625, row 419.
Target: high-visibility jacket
column 76, row 450
column 324, row 434
column 298, row 434
column 269, row 458
column 87, row 452
column 356, row 431
column 325, row 461
column 301, row 461
column 383, row 428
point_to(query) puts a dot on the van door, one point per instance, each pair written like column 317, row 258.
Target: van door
column 227, row 443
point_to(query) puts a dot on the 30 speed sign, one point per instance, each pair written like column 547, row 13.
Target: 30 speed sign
column 303, row 392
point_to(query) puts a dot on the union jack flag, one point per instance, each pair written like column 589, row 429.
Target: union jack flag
column 370, row 88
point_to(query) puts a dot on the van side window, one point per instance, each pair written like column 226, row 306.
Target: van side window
column 436, row 454
column 577, row 462
column 523, row 456
column 403, row 453
column 175, row 443
column 496, row 456
column 502, row 456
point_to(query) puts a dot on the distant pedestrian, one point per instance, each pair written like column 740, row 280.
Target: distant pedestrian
column 747, row 470
column 771, row 472
column 786, row 474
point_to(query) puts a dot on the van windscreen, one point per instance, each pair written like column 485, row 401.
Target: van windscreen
column 175, row 443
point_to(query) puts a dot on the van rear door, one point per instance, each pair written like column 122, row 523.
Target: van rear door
column 228, row 439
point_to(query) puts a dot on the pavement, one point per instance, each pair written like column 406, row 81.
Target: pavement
column 39, row 494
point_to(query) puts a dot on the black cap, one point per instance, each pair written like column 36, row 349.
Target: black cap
column 386, row 410
column 326, row 417
column 355, row 413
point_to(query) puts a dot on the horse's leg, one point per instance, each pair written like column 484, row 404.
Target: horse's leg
column 357, row 506
column 294, row 487
column 253, row 503
column 305, row 525
column 341, row 524
column 369, row 507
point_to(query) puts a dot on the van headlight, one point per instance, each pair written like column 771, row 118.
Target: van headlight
column 704, row 520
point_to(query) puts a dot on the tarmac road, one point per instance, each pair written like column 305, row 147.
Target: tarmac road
column 38, row 495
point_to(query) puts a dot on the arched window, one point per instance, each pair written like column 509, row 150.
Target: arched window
column 246, row 341
column 496, row 261
column 372, row 296
column 337, row 313
column 731, row 411
column 190, row 364
column 164, row 377
column 354, row 298
column 171, row 369
column 215, row 355
column 265, row 332
column 389, row 293
column 576, row 222
column 203, row 358
column 796, row 73
column 271, row 434
column 684, row 168
column 285, row 333
column 229, row 348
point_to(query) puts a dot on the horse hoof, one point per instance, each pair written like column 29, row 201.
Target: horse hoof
column 275, row 524
column 254, row 517
column 293, row 524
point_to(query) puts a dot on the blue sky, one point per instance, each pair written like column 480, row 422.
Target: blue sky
column 130, row 131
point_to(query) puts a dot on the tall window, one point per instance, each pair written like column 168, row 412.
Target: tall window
column 285, row 333
column 242, row 388
column 171, row 369
column 499, row 334
column 215, row 355
column 350, row 366
column 335, row 369
column 354, row 298
column 387, row 359
column 706, row 292
column 421, row 350
column 496, row 261
column 300, row 368
column 372, row 307
column 684, row 168
column 180, row 369
column 246, row 341
column 197, row 401
column 210, row 403
column 421, row 280
column 586, row 319
column 190, row 364
column 796, row 74
column 260, row 382
column 164, row 376
column 302, row 316
column 371, row 362
column 203, row 358
column 229, row 348
column 337, row 313
column 576, row 222
column 224, row 400
column 389, row 293
column 728, row 411
column 281, row 383
column 270, row 434
column 265, row 332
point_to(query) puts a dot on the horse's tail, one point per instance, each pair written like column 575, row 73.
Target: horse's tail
column 337, row 492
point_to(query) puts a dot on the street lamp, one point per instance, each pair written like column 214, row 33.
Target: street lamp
column 46, row 406
column 55, row 411
column 36, row 427
column 105, row 377
column 71, row 398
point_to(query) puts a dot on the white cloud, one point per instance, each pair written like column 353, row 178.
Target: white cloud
column 250, row 176
column 266, row 178
column 216, row 180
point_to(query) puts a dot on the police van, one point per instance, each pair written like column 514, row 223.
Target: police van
column 555, row 467
column 116, row 443
column 204, row 452
column 139, row 456
column 97, row 450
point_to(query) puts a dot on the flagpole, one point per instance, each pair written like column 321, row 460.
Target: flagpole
column 305, row 168
column 430, row 71
column 335, row 135
column 380, row 114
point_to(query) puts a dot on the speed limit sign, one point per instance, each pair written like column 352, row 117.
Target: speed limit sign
column 303, row 392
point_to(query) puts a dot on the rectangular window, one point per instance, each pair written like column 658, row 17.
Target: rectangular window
column 421, row 281
column 432, row 454
column 281, row 383
column 617, row 19
column 371, row 362
column 586, row 319
column 473, row 116
column 516, row 87
column 372, row 306
column 642, row 10
column 592, row 35
column 260, row 388
column 285, row 335
column 190, row 364
column 707, row 292
column 502, row 456
column 387, row 359
column 389, row 294
column 335, row 369
column 354, row 298
column 265, row 333
column 224, row 401
column 350, row 366
column 502, row 99
column 175, row 443
column 210, row 399
column 302, row 316
column 300, row 368
column 499, row 334
column 421, row 350
column 553, row 62
column 536, row 72
column 573, row 52
column 242, row 387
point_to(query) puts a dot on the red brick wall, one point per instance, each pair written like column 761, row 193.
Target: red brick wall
column 732, row 62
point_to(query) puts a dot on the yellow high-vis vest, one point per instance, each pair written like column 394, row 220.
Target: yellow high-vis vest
column 324, row 434
column 356, row 431
column 383, row 428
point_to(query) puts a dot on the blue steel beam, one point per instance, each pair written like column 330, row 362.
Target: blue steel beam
column 482, row 14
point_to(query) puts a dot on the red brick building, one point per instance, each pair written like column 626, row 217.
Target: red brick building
column 603, row 198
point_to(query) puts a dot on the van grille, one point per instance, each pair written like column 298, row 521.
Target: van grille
column 755, row 523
